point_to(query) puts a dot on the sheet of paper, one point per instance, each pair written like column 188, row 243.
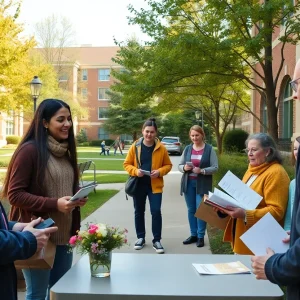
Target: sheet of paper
column 240, row 191
column 222, row 199
column 146, row 172
column 263, row 234
column 222, row 268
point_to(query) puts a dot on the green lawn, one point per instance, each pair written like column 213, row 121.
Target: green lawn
column 95, row 201
column 105, row 164
column 106, row 178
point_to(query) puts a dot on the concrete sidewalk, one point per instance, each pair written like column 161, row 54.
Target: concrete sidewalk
column 119, row 212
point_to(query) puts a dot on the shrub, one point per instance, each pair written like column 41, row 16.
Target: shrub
column 95, row 143
column 234, row 140
column 236, row 163
column 13, row 139
column 81, row 136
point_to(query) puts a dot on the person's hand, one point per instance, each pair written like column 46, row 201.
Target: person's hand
column 65, row 206
column 140, row 173
column 41, row 235
column 196, row 170
column 154, row 174
column 216, row 209
column 187, row 168
column 235, row 212
column 287, row 239
column 82, row 201
column 19, row 226
column 258, row 264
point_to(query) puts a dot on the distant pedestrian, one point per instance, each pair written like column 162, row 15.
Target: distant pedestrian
column 154, row 161
column 117, row 145
column 103, row 148
column 198, row 162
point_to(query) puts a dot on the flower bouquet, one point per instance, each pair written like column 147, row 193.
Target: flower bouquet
column 98, row 240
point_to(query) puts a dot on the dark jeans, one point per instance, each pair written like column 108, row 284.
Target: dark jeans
column 139, row 203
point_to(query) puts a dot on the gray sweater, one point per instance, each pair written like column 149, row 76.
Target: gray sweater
column 209, row 163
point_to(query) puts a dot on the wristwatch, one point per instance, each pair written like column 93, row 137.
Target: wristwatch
column 202, row 171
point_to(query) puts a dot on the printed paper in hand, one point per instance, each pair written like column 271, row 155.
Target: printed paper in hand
column 266, row 233
column 222, row 268
column 241, row 195
column 146, row 172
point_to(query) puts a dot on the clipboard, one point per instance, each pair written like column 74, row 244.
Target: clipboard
column 206, row 213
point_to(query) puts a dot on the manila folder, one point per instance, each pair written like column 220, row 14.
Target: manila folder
column 206, row 213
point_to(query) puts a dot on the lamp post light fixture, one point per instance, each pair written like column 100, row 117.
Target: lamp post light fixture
column 199, row 114
column 35, row 87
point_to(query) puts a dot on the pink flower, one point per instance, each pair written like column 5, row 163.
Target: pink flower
column 125, row 241
column 92, row 229
column 73, row 240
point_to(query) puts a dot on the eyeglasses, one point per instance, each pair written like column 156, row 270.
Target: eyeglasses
column 252, row 150
column 294, row 84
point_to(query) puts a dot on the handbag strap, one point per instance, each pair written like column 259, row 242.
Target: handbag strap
column 137, row 159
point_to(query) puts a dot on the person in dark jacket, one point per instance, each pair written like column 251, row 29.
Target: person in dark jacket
column 284, row 268
column 198, row 162
column 17, row 241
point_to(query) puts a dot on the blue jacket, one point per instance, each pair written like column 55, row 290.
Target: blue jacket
column 284, row 269
column 13, row 245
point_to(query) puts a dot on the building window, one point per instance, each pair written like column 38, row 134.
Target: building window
column 84, row 74
column 10, row 123
column 63, row 77
column 103, row 74
column 102, row 134
column 264, row 115
column 84, row 93
column 287, row 115
column 102, row 94
column 102, row 112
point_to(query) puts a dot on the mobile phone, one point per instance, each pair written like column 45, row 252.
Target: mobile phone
column 189, row 163
column 45, row 224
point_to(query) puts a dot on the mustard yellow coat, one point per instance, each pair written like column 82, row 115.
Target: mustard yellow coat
column 272, row 183
column 160, row 161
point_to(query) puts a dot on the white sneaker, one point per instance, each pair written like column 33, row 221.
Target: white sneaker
column 158, row 248
column 139, row 244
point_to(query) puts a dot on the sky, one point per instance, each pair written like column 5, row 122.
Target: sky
column 96, row 22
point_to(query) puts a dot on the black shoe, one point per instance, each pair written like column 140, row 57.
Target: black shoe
column 190, row 240
column 200, row 242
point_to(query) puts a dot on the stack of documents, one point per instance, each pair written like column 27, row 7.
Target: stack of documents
column 222, row 268
column 241, row 194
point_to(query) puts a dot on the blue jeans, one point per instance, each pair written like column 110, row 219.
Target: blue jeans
column 39, row 282
column 193, row 200
column 139, row 203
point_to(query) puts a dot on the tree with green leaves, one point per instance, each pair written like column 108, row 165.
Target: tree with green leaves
column 125, row 121
column 231, row 39
column 14, row 71
column 158, row 72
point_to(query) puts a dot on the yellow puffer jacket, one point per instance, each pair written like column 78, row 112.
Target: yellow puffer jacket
column 160, row 161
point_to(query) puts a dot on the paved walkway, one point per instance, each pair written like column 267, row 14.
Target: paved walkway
column 119, row 212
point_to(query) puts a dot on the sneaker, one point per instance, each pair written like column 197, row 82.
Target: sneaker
column 139, row 244
column 158, row 247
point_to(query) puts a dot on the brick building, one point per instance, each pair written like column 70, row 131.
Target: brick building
column 289, row 124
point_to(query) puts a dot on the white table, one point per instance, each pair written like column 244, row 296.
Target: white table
column 162, row 277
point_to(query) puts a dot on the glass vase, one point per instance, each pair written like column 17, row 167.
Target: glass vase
column 100, row 264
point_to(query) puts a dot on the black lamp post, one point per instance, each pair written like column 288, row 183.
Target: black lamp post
column 199, row 114
column 35, row 87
